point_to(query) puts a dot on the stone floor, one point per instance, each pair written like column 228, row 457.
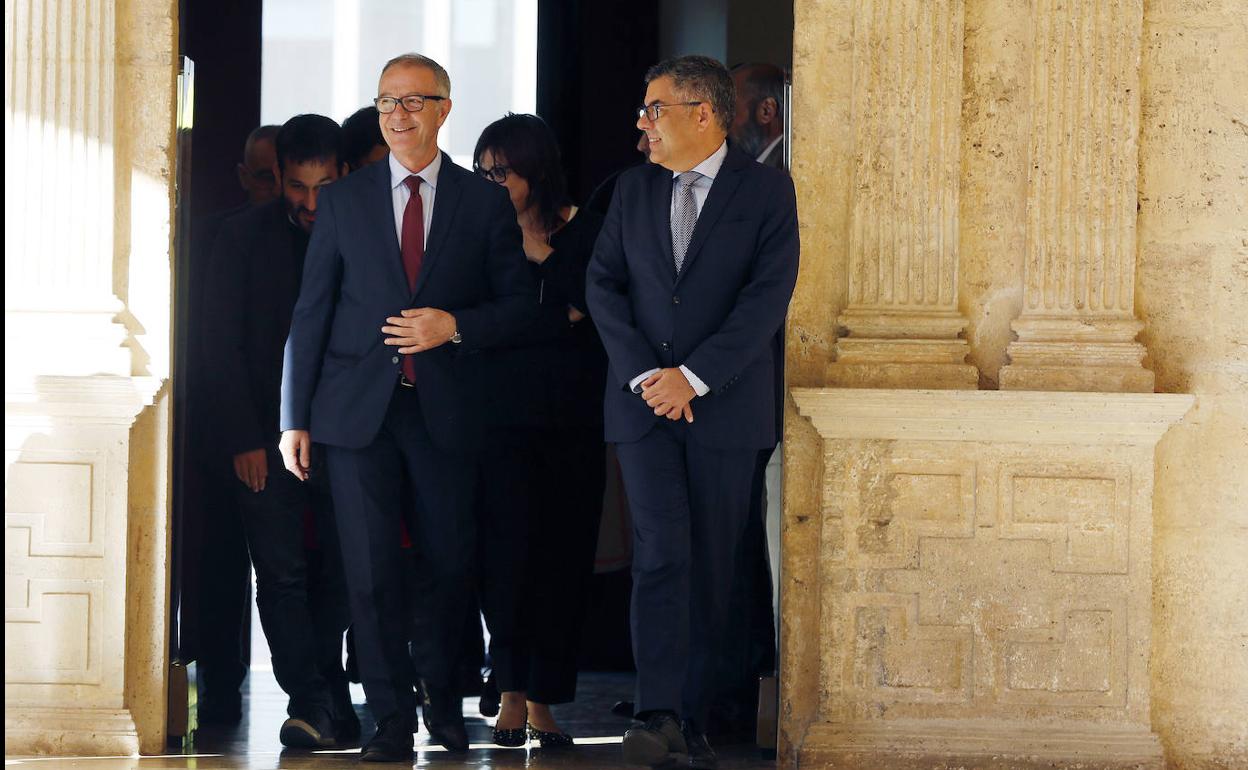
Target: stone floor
column 253, row 745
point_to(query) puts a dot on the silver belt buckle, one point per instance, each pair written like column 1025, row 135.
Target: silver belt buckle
column 406, row 382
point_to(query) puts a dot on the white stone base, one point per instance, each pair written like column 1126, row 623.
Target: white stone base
column 69, row 731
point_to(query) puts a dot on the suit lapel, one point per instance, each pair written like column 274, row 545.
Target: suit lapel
column 661, row 213
column 445, row 201
column 722, row 189
column 379, row 211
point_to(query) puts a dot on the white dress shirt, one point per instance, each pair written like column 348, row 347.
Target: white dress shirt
column 400, row 194
column 762, row 156
column 709, row 169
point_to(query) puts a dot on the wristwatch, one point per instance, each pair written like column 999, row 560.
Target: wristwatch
column 457, row 338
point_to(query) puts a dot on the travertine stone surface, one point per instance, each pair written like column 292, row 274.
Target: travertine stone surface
column 88, row 188
column 1078, row 326
column 983, row 582
column 1192, row 288
column 903, row 327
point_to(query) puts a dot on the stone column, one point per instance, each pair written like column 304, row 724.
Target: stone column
column 1078, row 326
column 88, row 170
column 902, row 327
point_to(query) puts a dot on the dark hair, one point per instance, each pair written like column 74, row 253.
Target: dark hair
column 700, row 78
column 529, row 148
column 360, row 134
column 762, row 81
column 308, row 137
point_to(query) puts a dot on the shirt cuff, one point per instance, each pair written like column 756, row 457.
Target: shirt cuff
column 699, row 386
column 635, row 383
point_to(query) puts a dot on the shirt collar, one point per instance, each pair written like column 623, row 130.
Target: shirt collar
column 399, row 172
column 767, row 150
column 710, row 167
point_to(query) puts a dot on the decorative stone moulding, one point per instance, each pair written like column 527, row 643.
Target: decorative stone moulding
column 982, row 580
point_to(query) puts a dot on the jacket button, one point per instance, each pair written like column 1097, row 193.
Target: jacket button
column 394, row 360
column 665, row 345
column 675, row 300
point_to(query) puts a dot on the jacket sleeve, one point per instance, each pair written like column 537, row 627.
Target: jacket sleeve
column 312, row 318
column 512, row 303
column 607, row 294
column 762, row 302
column 224, row 333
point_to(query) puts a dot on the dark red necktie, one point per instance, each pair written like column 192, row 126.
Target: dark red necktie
column 412, row 245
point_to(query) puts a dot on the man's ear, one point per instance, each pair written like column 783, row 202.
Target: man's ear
column 446, row 110
column 706, row 116
column 244, row 176
column 766, row 111
column 277, row 176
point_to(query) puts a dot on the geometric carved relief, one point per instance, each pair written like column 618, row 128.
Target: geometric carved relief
column 913, row 499
column 54, row 636
column 897, row 659
column 54, row 504
column 1080, row 660
column 1082, row 511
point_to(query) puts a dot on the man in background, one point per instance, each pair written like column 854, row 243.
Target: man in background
column 758, row 122
column 256, row 269
column 362, row 143
column 216, row 605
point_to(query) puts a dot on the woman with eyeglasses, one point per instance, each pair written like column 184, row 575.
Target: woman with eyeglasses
column 543, row 473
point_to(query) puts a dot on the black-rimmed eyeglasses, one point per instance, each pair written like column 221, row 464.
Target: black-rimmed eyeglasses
column 654, row 111
column 412, row 102
column 497, row 173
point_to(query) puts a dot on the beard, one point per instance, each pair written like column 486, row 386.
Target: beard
column 750, row 139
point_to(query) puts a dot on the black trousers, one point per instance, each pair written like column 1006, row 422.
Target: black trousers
column 539, row 511
column 689, row 505
column 299, row 590
column 224, row 588
column 368, row 487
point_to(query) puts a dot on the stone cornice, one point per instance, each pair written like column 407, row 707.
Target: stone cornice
column 93, row 400
column 990, row 415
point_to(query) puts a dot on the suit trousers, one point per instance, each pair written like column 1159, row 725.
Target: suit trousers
column 539, row 511
column 368, row 488
column 299, row 590
column 689, row 505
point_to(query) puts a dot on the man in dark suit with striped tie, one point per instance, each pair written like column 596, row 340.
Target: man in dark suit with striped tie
column 415, row 269
column 690, row 280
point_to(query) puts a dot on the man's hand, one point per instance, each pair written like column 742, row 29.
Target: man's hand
column 668, row 393
column 252, row 468
column 422, row 328
column 296, row 448
column 575, row 316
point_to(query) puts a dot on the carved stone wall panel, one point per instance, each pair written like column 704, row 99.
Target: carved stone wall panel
column 970, row 588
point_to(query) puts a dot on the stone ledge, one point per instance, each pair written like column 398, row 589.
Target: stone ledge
column 33, row 730
column 977, row 743
column 992, row 415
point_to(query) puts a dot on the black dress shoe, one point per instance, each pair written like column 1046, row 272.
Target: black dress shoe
column 659, row 741
column 623, row 708
column 392, row 743
column 701, row 755
column 550, row 740
column 308, row 729
column 444, row 718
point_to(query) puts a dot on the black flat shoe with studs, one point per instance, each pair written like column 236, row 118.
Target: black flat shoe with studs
column 550, row 740
column 511, row 738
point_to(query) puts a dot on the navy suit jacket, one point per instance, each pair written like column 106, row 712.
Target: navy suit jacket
column 338, row 375
column 718, row 317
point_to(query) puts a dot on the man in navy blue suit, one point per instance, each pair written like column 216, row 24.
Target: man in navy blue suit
column 415, row 269
column 689, row 283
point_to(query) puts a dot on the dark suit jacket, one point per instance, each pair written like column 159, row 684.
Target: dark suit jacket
column 339, row 376
column 248, row 299
column 719, row 317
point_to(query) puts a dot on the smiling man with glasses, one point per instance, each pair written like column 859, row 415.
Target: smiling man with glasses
column 415, row 270
column 689, row 283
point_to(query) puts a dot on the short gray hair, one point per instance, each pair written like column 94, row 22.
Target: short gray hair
column 700, row 78
column 420, row 60
column 762, row 81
